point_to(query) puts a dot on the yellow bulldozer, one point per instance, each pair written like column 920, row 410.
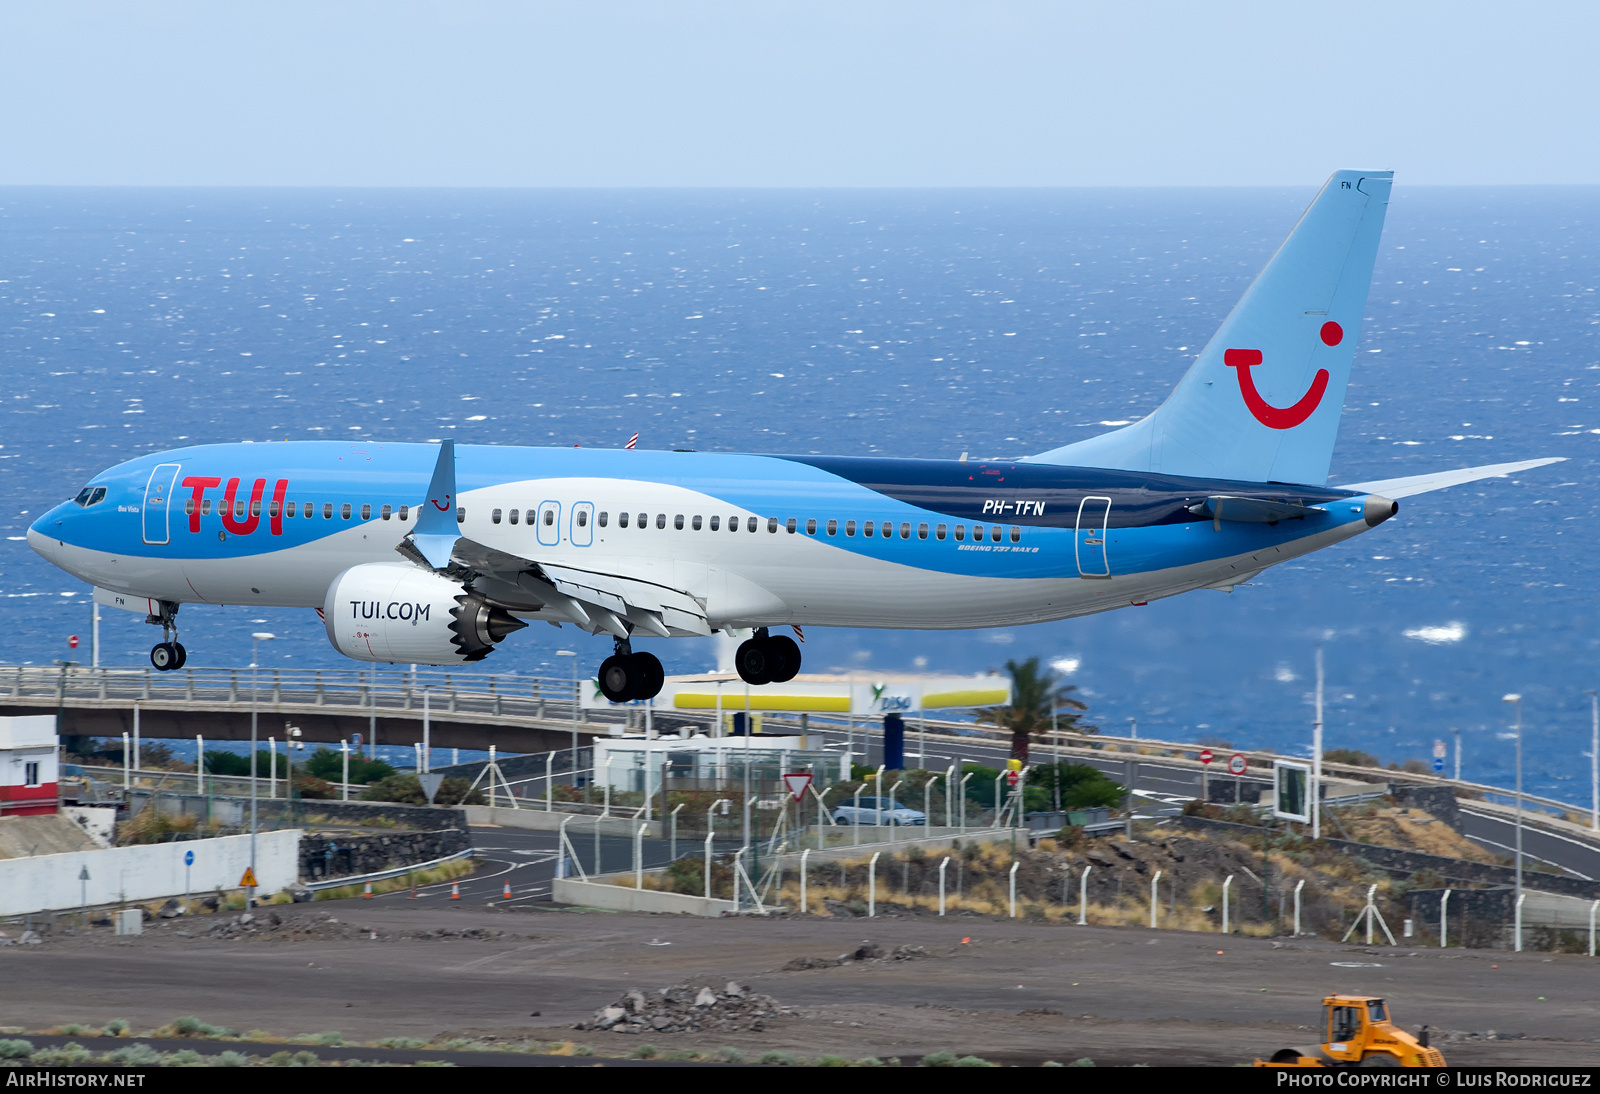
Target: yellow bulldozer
column 1358, row 1033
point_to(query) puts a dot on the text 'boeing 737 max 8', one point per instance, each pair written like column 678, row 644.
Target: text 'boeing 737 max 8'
column 435, row 554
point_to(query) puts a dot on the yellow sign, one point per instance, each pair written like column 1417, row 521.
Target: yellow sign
column 1013, row 764
column 249, row 879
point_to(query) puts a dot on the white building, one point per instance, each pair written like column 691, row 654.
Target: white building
column 29, row 768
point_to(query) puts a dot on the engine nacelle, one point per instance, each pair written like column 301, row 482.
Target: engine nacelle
column 397, row 612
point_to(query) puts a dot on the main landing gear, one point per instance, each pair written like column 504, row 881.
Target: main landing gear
column 168, row 654
column 767, row 658
column 625, row 675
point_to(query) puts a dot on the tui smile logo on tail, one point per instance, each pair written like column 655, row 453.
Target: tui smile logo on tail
column 1281, row 417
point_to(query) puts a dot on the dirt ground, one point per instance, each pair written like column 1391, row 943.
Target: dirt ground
column 1006, row 990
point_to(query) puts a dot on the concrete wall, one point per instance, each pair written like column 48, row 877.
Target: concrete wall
column 540, row 821
column 617, row 898
column 147, row 872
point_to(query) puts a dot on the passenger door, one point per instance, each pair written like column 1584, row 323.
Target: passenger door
column 158, row 503
column 548, row 529
column 1093, row 514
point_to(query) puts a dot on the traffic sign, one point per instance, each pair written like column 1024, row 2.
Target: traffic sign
column 797, row 784
column 1237, row 764
column 249, row 879
column 1439, row 750
column 430, row 782
column 1438, row 766
column 1011, row 779
column 73, row 642
column 1206, row 756
column 188, row 858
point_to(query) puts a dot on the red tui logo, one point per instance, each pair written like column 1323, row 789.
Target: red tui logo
column 1281, row 417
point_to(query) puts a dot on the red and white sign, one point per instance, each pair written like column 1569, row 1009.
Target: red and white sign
column 797, row 785
column 1011, row 778
column 1206, row 756
column 72, row 642
column 1237, row 764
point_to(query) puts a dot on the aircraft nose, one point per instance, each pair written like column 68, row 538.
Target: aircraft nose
column 1378, row 509
column 40, row 542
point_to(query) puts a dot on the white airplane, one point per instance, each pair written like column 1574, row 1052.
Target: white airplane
column 435, row 554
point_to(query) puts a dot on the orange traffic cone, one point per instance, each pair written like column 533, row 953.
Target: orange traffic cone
column 455, row 891
column 507, row 893
column 367, row 895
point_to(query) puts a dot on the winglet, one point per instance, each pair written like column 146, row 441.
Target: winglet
column 436, row 529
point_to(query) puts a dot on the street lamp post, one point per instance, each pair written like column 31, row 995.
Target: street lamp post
column 1517, row 701
column 255, row 641
column 1316, row 759
column 1133, row 728
column 575, row 697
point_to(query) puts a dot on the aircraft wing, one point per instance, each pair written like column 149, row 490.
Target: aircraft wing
column 1395, row 489
column 610, row 600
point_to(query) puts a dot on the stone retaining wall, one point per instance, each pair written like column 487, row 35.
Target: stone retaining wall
column 323, row 857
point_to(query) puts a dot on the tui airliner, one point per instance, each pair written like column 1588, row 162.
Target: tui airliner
column 436, row 554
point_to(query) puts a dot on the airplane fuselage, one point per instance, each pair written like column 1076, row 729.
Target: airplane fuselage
column 756, row 540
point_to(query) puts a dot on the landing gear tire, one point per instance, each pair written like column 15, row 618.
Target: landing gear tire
column 628, row 676
column 785, row 655
column 619, row 676
column 164, row 656
column 651, row 675
column 183, row 656
column 753, row 661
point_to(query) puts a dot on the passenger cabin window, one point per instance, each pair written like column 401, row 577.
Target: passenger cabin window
column 622, row 520
column 644, row 519
column 272, row 509
column 716, row 523
column 977, row 533
column 888, row 530
column 583, row 518
column 461, row 514
column 1016, row 534
column 366, row 511
column 494, row 516
column 677, row 522
column 205, row 508
column 603, row 518
column 513, row 515
column 772, row 524
column 661, row 520
column 994, row 533
column 188, row 507
column 811, row 527
column 696, row 522
column 922, row 531
column 833, row 527
column 961, row 532
column 849, row 527
column 290, row 509
column 404, row 510
column 344, row 511
column 549, row 517
column 751, row 524
column 388, row 511
column 255, row 508
column 790, row 526
column 868, row 528
column 327, row 510
column 938, row 533
column 905, row 530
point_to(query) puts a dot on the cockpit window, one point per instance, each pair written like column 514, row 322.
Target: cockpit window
column 1376, row 1011
column 90, row 495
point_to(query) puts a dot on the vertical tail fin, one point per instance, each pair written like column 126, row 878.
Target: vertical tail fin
column 1262, row 402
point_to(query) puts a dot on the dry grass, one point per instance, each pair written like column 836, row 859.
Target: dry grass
column 1414, row 830
column 445, row 871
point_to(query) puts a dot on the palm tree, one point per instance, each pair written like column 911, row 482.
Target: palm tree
column 1036, row 694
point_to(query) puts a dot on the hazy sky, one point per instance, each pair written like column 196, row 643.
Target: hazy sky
column 814, row 93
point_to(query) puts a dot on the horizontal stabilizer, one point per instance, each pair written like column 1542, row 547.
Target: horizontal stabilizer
column 1250, row 510
column 1439, row 480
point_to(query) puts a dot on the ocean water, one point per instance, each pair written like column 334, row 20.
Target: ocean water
column 913, row 323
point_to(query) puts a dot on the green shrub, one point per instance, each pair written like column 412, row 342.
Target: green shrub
column 69, row 1053
column 186, row 1057
column 115, row 1028
column 136, row 1055
column 973, row 1061
column 939, row 1059
column 230, row 1059
column 730, row 1055
column 831, row 1061
column 582, row 1050
column 75, row 1029
column 406, row 789
column 401, row 1042
column 330, row 1037
column 781, row 1059
column 15, row 1050
column 1082, row 1061
column 644, row 1052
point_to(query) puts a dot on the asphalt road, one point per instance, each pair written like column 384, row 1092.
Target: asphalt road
column 1577, row 857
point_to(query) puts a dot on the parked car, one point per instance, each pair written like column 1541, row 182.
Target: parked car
column 868, row 812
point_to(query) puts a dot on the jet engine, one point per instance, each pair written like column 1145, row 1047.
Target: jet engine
column 401, row 613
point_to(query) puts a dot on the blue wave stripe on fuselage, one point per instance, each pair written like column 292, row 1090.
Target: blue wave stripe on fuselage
column 800, row 487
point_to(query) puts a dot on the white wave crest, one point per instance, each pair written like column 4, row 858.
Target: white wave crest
column 1440, row 635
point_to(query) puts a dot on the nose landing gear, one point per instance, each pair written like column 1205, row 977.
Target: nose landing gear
column 168, row 654
column 626, row 676
column 767, row 658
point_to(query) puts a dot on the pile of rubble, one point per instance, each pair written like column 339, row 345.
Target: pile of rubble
column 867, row 951
column 267, row 923
column 687, row 1009
column 26, row 938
